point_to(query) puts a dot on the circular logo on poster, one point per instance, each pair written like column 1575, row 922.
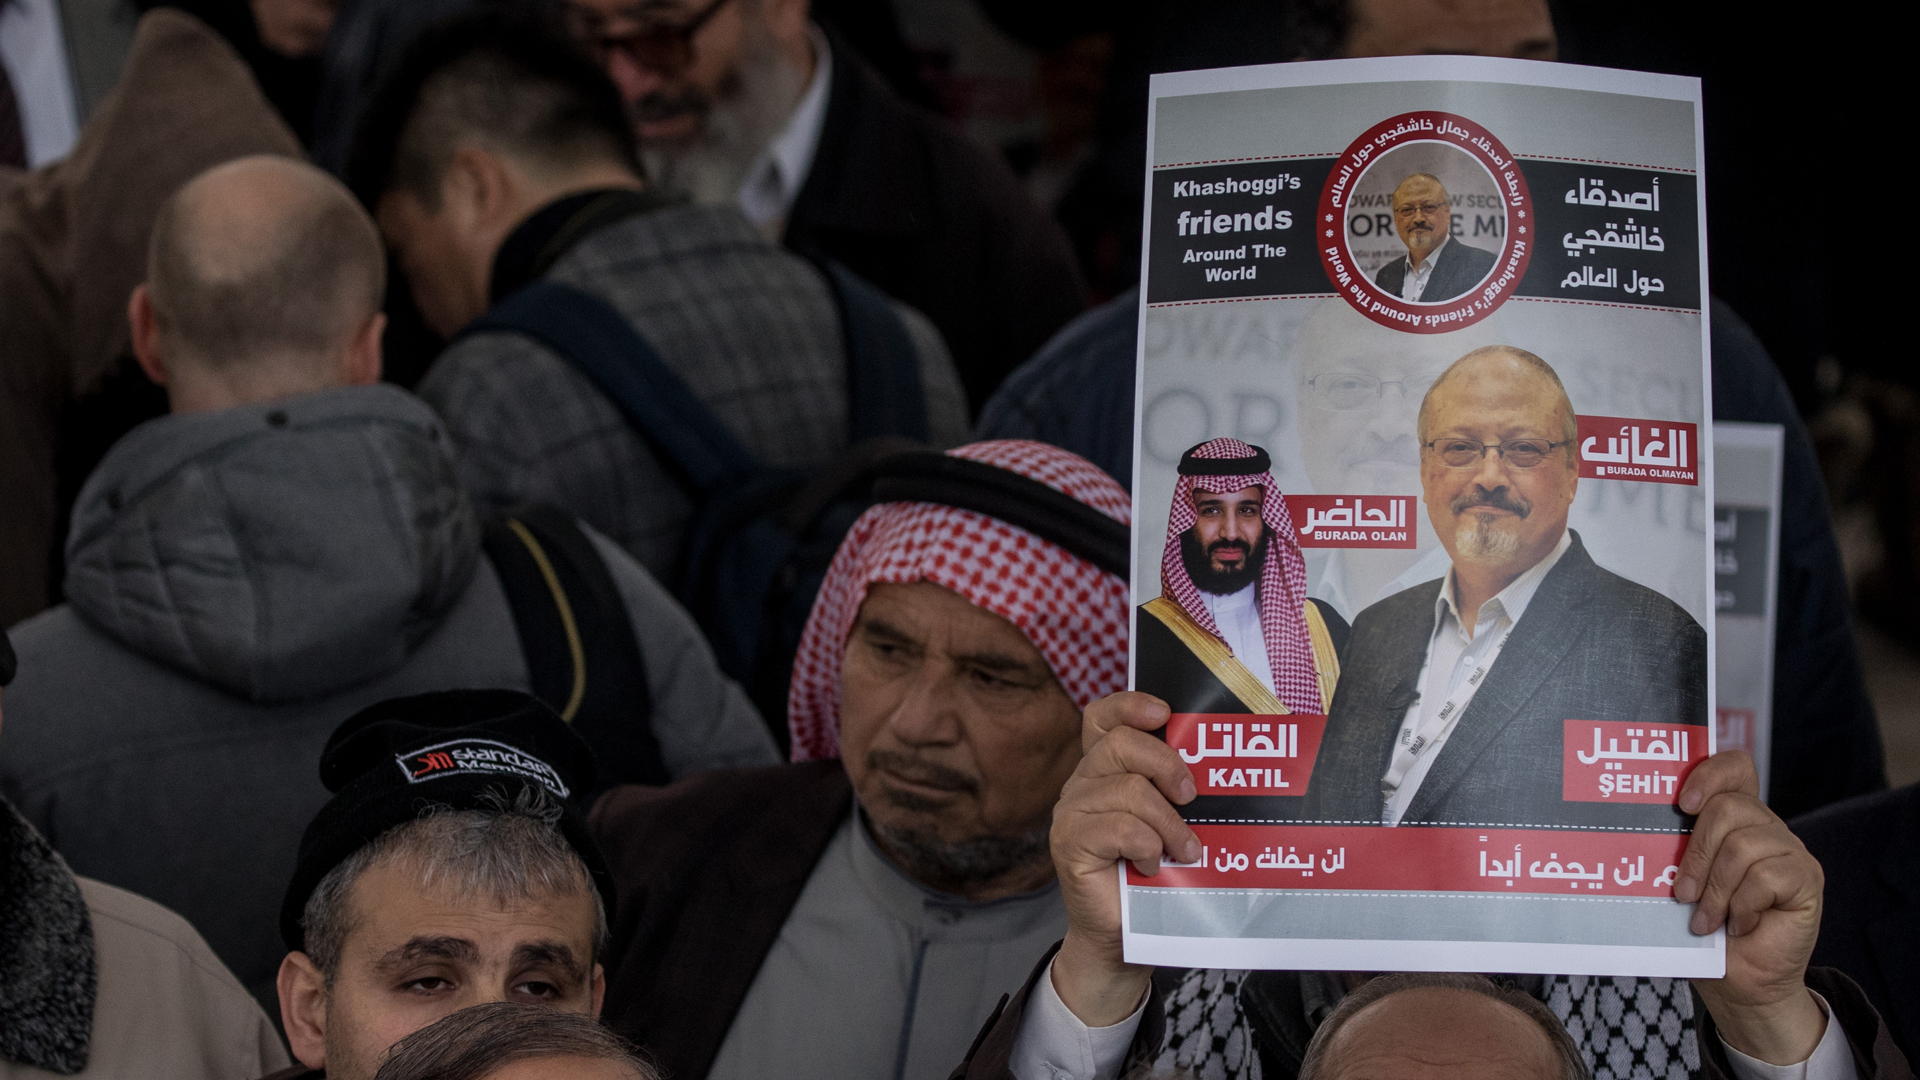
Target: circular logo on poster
column 1425, row 224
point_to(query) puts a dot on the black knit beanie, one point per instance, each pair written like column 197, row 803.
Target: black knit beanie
column 457, row 749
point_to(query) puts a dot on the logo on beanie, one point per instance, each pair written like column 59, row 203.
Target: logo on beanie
column 465, row 757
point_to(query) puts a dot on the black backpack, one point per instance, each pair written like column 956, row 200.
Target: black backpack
column 582, row 657
column 761, row 537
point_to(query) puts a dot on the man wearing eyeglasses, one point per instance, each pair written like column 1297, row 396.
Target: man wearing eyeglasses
column 1437, row 267
column 749, row 102
column 1557, row 637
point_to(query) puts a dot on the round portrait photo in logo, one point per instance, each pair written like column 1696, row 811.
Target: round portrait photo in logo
column 1425, row 224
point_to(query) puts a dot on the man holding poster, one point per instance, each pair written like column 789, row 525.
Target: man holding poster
column 1233, row 630
column 1466, row 689
column 1087, row 1014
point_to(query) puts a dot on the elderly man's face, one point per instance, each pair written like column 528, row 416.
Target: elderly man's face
column 957, row 738
column 413, row 956
column 1439, row 1034
column 1491, row 512
column 1522, row 29
column 1422, row 214
column 670, row 90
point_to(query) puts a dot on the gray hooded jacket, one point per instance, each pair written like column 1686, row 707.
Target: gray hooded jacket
column 239, row 582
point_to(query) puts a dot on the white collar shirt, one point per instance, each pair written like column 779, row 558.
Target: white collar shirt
column 33, row 49
column 775, row 178
column 1452, row 655
column 1238, row 617
column 1415, row 283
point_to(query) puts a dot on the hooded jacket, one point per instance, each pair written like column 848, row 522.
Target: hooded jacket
column 239, row 582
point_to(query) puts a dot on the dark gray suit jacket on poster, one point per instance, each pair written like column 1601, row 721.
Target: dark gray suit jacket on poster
column 1456, row 269
column 1591, row 646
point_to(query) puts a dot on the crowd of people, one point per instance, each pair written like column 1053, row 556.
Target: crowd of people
column 592, row 538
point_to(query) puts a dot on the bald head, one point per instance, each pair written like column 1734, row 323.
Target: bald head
column 262, row 274
column 1441, row 1027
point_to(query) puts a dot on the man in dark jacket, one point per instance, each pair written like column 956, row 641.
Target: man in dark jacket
column 1437, row 267
column 1870, row 849
column 497, row 156
column 860, row 917
column 749, row 102
column 288, row 546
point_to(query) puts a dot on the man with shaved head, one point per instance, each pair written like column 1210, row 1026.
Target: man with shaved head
column 1461, row 686
column 264, row 280
column 1437, row 267
column 290, row 545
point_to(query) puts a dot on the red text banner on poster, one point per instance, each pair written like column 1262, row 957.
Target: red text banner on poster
column 1244, row 754
column 1614, row 761
column 1427, row 858
column 1656, row 451
column 1354, row 521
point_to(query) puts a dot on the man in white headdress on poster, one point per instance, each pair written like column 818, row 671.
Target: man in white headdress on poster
column 1233, row 630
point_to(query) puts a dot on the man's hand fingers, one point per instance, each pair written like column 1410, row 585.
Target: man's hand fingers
column 1129, row 708
column 1791, row 881
column 1721, row 816
column 1728, row 772
column 1101, row 839
column 1126, row 750
column 1134, row 795
column 1738, row 858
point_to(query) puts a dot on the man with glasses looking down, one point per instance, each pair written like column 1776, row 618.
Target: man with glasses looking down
column 1557, row 636
column 1437, row 267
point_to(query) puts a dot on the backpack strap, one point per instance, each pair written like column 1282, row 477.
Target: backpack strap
column 582, row 656
column 603, row 345
column 884, row 395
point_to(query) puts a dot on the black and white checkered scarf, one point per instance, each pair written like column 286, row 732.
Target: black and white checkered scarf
column 1626, row 1028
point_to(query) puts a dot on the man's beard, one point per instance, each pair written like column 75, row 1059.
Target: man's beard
column 737, row 122
column 1221, row 582
column 976, row 860
column 925, row 855
column 1477, row 540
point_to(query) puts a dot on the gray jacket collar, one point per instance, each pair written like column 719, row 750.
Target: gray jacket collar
column 47, row 976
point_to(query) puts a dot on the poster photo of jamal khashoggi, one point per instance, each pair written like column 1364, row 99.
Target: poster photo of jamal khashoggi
column 1424, row 515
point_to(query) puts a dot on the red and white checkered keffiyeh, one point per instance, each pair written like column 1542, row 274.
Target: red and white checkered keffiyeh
column 1073, row 612
column 1283, row 580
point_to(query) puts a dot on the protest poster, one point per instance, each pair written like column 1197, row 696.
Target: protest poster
column 1747, row 465
column 1380, row 786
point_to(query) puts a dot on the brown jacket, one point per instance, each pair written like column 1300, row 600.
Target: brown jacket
column 709, row 869
column 73, row 244
column 1874, row 1054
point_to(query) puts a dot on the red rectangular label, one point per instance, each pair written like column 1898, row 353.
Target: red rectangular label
column 1656, row 451
column 1242, row 754
column 1611, row 761
column 1354, row 521
column 1427, row 858
column 1733, row 729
